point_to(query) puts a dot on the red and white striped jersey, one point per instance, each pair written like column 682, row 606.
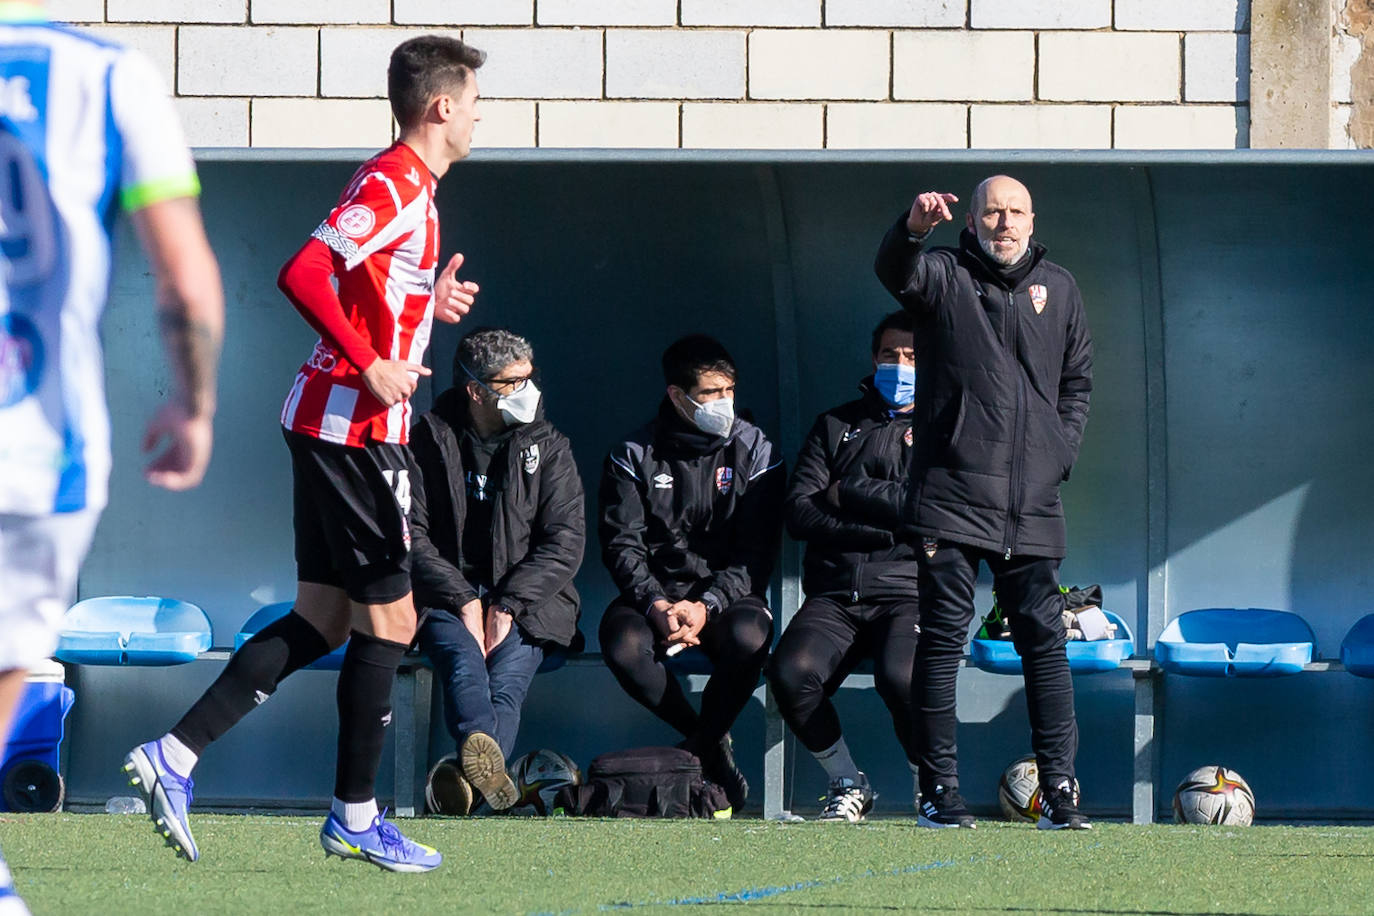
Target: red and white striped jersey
column 385, row 229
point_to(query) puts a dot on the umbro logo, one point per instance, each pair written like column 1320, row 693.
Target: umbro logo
column 663, row 481
column 386, row 719
column 851, row 434
column 259, row 697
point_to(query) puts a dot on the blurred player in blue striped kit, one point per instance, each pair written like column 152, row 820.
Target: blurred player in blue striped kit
column 85, row 127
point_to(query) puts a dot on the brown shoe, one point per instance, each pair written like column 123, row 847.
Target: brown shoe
column 485, row 767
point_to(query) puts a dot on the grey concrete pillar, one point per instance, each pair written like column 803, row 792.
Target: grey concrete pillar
column 1290, row 73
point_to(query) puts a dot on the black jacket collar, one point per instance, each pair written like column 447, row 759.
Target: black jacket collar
column 675, row 436
column 451, row 407
column 1005, row 277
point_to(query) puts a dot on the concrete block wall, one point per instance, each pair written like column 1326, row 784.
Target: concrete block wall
column 782, row 74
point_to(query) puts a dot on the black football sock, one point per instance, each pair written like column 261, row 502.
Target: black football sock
column 286, row 645
column 369, row 668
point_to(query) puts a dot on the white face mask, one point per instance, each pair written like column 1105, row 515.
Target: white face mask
column 519, row 407
column 714, row 417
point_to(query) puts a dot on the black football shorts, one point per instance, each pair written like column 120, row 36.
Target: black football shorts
column 350, row 514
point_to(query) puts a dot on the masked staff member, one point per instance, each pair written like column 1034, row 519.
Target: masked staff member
column 845, row 502
column 497, row 533
column 690, row 517
column 1006, row 372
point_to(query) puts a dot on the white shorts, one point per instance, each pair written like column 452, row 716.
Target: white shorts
column 40, row 556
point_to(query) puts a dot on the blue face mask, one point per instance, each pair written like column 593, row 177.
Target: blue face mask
column 896, row 383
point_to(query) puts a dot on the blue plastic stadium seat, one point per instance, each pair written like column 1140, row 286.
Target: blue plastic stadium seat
column 1357, row 649
column 1085, row 656
column 272, row 612
column 1235, row 642
column 124, row 630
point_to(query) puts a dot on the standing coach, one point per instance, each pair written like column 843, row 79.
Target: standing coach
column 1001, row 402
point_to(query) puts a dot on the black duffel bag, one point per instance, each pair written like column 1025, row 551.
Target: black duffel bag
column 645, row 782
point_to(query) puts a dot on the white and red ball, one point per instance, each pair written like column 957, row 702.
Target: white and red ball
column 1214, row 795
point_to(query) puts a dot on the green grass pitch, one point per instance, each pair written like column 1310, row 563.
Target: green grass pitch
column 73, row 863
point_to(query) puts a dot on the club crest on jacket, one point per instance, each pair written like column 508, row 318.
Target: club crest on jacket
column 1039, row 296
column 530, row 456
column 725, row 480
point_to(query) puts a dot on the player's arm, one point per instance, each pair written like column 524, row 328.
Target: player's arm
column 453, row 298
column 755, row 530
column 190, row 311
column 1075, row 379
column 621, row 526
column 158, row 189
column 809, row 513
column 305, row 279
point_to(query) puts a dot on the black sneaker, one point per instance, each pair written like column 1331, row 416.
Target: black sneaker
column 848, row 800
column 720, row 769
column 1059, row 809
column 944, row 808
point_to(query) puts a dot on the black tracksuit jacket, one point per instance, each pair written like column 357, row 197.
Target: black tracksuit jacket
column 1001, row 395
column 538, row 524
column 854, row 553
column 684, row 514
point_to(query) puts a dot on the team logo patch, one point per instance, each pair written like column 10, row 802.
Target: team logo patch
column 1039, row 296
column 725, row 480
column 907, row 437
column 663, row 481
column 931, row 545
column 530, row 457
column 356, row 221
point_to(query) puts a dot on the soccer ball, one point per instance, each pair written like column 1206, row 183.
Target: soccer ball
column 540, row 774
column 1018, row 791
column 1214, row 795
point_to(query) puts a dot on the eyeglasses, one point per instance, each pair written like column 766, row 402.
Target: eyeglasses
column 512, row 385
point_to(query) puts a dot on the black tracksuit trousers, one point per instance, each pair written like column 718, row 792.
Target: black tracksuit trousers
column 823, row 644
column 736, row 642
column 1028, row 592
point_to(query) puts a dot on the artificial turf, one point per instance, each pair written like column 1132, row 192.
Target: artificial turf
column 73, row 863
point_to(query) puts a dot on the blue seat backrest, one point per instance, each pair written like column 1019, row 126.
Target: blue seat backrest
column 1239, row 625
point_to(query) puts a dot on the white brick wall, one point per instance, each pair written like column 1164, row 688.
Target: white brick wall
column 870, row 125
column 214, row 122
column 662, row 64
column 1109, row 66
column 1216, row 67
column 1183, row 15
column 349, row 12
column 751, row 12
column 176, row 10
column 453, row 13
column 504, row 124
column 77, row 10
column 271, row 61
column 540, row 63
column 606, row 12
column 847, row 74
column 353, row 61
column 321, row 122
column 811, row 64
column 977, row 66
column 643, row 125
column 901, row 13
column 157, row 42
column 752, row 125
column 1040, row 14
column 1175, row 127
column 1040, row 126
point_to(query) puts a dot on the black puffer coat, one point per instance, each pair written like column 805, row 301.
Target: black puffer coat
column 538, row 523
column 854, row 551
column 1001, row 393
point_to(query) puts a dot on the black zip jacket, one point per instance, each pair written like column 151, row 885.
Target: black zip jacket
column 689, row 515
column 538, row 523
column 1001, row 396
column 854, row 553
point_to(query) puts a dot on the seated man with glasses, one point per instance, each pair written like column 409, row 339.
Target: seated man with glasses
column 497, row 533
column 691, row 515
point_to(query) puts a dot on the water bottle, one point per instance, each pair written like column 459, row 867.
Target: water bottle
column 125, row 804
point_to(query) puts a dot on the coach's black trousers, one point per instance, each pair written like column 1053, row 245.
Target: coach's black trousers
column 1028, row 592
column 736, row 642
column 823, row 644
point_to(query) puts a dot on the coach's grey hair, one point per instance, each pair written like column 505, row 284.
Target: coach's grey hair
column 486, row 351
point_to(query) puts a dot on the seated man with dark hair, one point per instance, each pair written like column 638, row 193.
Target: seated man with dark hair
column 845, row 501
column 497, row 534
column 690, row 518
